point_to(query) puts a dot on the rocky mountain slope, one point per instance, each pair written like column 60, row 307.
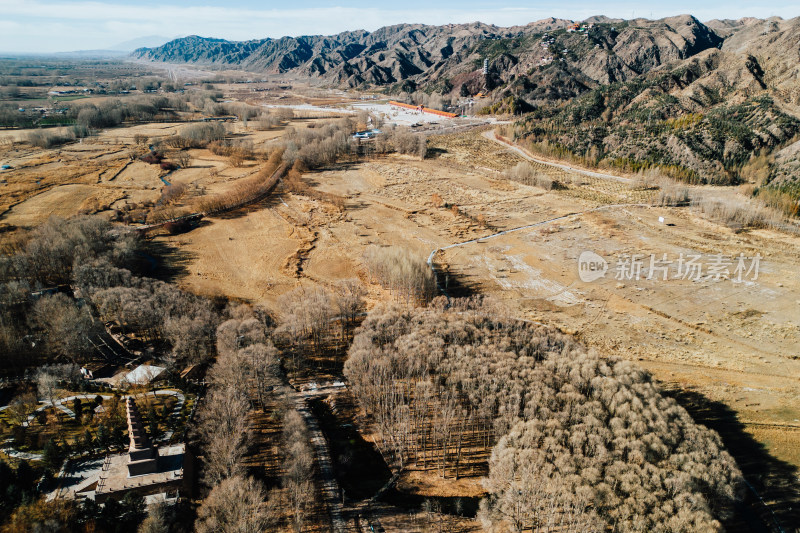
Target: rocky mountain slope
column 433, row 55
column 726, row 114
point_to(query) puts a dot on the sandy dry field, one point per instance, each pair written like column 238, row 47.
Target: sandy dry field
column 735, row 343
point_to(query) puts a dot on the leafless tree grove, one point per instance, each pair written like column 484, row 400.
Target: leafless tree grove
column 298, row 467
column 306, row 313
column 580, row 443
column 309, row 316
column 407, row 275
column 246, row 359
column 236, row 505
column 247, row 371
column 223, row 427
column 90, row 254
column 246, row 368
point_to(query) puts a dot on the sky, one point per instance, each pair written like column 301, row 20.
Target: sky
column 42, row 26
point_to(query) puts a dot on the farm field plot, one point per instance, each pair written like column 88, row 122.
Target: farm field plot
column 102, row 173
column 240, row 257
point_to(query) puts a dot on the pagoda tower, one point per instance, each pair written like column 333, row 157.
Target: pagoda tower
column 142, row 455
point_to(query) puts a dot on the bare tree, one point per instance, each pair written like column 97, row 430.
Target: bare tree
column 236, row 505
column 350, row 301
column 184, row 159
column 47, row 385
column 298, row 467
column 156, row 520
column 407, row 275
column 527, row 174
column 66, row 327
column 265, row 369
column 223, row 427
column 306, row 314
column 247, row 360
column 22, row 406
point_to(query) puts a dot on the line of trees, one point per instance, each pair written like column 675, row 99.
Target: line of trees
column 85, row 117
column 113, row 112
column 579, row 442
column 248, row 189
column 247, row 376
column 298, row 460
column 259, row 118
column 246, row 360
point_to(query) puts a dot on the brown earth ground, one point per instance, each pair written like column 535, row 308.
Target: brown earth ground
column 733, row 346
column 727, row 350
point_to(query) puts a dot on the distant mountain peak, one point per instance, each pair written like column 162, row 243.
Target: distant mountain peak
column 148, row 41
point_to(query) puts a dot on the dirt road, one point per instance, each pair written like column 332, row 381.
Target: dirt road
column 330, row 487
column 492, row 136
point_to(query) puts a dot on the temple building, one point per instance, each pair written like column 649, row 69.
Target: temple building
column 145, row 469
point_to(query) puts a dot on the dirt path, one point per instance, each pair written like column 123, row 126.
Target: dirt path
column 492, row 136
column 330, row 487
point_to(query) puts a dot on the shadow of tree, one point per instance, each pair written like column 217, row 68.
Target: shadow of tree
column 161, row 260
column 434, row 152
column 358, row 465
column 454, row 284
column 453, row 505
column 772, row 501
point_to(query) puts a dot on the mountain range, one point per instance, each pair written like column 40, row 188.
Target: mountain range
column 450, row 56
column 701, row 100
